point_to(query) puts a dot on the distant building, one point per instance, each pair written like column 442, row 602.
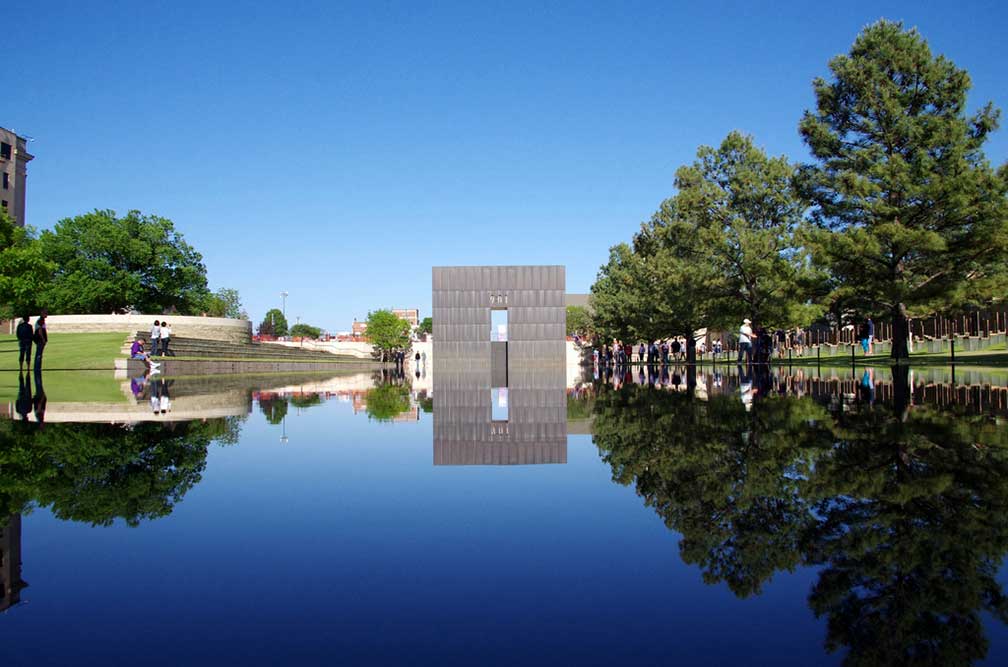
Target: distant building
column 14, row 158
column 411, row 315
column 581, row 300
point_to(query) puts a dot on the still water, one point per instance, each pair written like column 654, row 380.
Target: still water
column 785, row 518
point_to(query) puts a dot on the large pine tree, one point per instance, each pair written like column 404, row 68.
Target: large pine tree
column 909, row 217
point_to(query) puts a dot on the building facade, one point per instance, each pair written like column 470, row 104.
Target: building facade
column 476, row 308
column 14, row 159
column 411, row 315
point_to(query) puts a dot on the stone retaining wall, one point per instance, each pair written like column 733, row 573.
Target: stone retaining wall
column 171, row 367
column 210, row 328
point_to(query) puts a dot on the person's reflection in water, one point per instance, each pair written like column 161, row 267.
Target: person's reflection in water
column 867, row 387
column 24, row 399
column 155, row 396
column 164, row 400
column 39, row 401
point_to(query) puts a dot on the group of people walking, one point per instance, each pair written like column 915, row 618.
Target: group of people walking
column 655, row 353
column 29, row 336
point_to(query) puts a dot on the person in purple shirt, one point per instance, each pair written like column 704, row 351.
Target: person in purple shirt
column 137, row 352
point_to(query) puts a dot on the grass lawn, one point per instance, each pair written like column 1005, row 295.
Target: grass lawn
column 67, row 386
column 994, row 357
column 69, row 352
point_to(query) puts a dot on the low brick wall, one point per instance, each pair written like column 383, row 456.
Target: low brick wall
column 209, row 328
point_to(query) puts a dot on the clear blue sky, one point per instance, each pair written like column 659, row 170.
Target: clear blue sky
column 339, row 151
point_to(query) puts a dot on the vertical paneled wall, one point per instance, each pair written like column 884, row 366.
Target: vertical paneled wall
column 463, row 297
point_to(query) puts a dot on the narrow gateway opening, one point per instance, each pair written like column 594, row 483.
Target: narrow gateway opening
column 499, row 350
column 499, row 325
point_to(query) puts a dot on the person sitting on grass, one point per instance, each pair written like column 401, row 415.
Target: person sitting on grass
column 137, row 352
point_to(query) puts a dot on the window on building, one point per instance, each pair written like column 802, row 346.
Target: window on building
column 5, row 150
column 6, row 181
column 4, row 203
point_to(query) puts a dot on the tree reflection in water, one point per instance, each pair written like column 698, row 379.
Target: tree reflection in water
column 904, row 510
column 96, row 473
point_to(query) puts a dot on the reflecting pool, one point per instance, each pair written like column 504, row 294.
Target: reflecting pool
column 782, row 517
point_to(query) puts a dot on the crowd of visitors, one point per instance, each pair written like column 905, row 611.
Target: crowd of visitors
column 751, row 345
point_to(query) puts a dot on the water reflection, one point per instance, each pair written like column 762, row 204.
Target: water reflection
column 891, row 485
column 900, row 503
column 11, row 583
column 477, row 423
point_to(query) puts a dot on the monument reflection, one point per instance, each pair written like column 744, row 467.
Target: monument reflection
column 476, row 423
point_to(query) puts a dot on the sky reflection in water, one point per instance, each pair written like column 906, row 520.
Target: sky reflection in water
column 753, row 519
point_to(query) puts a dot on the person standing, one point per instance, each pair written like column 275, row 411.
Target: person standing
column 745, row 341
column 863, row 335
column 41, row 337
column 25, row 335
column 165, row 338
column 871, row 336
column 155, row 337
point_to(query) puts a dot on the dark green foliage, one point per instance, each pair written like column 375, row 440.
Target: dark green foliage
column 426, row 327
column 25, row 273
column 904, row 511
column 225, row 302
column 274, row 324
column 104, row 263
column 305, row 331
column 274, row 408
column 96, row 473
column 909, row 217
column 387, row 332
column 725, row 247
column 387, row 401
column 579, row 321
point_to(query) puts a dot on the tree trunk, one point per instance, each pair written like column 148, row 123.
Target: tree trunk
column 900, row 333
column 690, row 363
column 901, row 391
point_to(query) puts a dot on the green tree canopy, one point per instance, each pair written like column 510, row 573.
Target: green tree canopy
column 25, row 273
column 909, row 217
column 96, row 473
column 225, row 302
column 579, row 321
column 746, row 214
column 305, row 331
column 387, row 401
column 274, row 324
column 904, row 512
column 104, row 263
column 662, row 286
column 426, row 326
column 387, row 332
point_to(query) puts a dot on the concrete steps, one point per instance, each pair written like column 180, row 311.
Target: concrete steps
column 213, row 349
